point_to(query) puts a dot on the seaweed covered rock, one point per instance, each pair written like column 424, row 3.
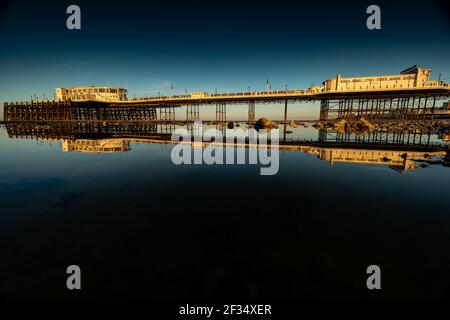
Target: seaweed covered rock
column 363, row 124
column 341, row 125
column 265, row 123
column 319, row 125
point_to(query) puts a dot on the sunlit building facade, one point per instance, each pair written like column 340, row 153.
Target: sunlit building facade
column 413, row 77
column 91, row 93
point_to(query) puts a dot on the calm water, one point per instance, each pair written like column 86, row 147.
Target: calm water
column 140, row 226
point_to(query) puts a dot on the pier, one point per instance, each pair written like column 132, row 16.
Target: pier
column 408, row 95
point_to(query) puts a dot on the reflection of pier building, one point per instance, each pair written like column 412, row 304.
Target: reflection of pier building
column 380, row 136
column 91, row 93
column 399, row 160
column 95, row 146
column 400, row 153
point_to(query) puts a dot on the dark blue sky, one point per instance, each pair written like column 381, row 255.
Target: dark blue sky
column 229, row 45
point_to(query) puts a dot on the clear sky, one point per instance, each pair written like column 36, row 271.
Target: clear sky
column 200, row 46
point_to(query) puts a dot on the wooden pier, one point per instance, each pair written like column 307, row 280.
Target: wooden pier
column 423, row 105
column 403, row 107
column 44, row 111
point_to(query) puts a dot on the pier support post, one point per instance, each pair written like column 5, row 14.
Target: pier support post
column 152, row 114
column 251, row 112
column 285, row 110
column 324, row 107
column 323, row 135
column 192, row 113
column 432, row 108
column 166, row 128
column 167, row 114
column 5, row 111
column 221, row 112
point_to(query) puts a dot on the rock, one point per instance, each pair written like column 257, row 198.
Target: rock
column 319, row 125
column 264, row 123
column 42, row 127
column 364, row 125
column 341, row 125
column 445, row 125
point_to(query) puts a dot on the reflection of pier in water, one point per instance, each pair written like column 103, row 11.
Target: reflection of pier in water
column 397, row 150
column 86, row 130
column 379, row 136
column 95, row 146
column 401, row 160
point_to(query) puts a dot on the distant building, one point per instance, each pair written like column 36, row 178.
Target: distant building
column 412, row 77
column 91, row 93
column 199, row 94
